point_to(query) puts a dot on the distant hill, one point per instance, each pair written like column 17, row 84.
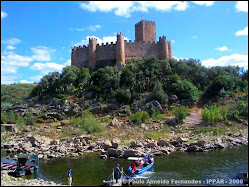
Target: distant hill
column 15, row 93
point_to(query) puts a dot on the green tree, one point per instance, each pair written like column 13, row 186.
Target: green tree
column 107, row 79
column 83, row 78
column 220, row 82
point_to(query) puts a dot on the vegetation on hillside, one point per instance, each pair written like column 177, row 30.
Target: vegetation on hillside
column 15, row 93
column 186, row 78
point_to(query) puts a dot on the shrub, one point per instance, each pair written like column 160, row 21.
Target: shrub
column 159, row 94
column 212, row 115
column 238, row 109
column 123, row 96
column 155, row 114
column 180, row 112
column 140, row 117
column 88, row 123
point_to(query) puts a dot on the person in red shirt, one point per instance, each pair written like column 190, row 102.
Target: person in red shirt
column 133, row 166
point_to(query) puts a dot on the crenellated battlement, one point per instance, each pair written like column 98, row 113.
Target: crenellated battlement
column 144, row 45
column 145, row 21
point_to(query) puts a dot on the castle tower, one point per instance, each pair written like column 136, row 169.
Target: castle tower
column 74, row 61
column 170, row 50
column 164, row 49
column 145, row 31
column 120, row 51
column 92, row 52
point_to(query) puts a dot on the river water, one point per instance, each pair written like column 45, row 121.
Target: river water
column 174, row 169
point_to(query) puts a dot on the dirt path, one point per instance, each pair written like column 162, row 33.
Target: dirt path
column 193, row 119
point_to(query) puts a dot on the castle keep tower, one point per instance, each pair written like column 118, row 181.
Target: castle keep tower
column 145, row 31
column 164, row 47
column 92, row 52
column 96, row 56
column 120, row 51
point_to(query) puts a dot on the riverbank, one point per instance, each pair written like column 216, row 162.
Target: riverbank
column 198, row 140
column 7, row 180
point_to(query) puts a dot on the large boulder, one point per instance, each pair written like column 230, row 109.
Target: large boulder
column 106, row 144
column 64, row 122
column 114, row 122
column 163, row 142
column 201, row 142
column 156, row 105
column 136, row 144
column 73, row 110
column 130, row 153
column 111, row 152
column 192, row 148
column 115, row 142
column 39, row 140
column 173, row 98
column 151, row 145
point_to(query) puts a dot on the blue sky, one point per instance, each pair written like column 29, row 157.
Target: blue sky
column 37, row 37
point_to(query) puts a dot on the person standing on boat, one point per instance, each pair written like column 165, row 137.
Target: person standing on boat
column 69, row 176
column 117, row 172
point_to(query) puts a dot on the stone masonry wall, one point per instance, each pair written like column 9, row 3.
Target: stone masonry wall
column 80, row 56
column 141, row 49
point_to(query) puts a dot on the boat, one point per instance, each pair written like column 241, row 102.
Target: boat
column 25, row 162
column 17, row 172
column 127, row 178
column 28, row 162
column 144, row 168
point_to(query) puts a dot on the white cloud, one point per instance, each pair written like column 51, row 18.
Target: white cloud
column 10, row 47
column 11, row 41
column 6, row 79
column 242, row 6
column 91, row 28
column 104, row 40
column 45, row 68
column 3, row 14
column 12, row 59
column 172, row 41
column 42, row 53
column 206, row 3
column 94, row 27
column 25, row 82
column 194, row 37
column 223, row 48
column 67, row 63
column 233, row 60
column 243, row 32
column 124, row 8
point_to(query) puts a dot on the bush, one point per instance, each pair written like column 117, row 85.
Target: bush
column 140, row 117
column 88, row 123
column 212, row 115
column 123, row 96
column 180, row 112
column 155, row 114
column 239, row 109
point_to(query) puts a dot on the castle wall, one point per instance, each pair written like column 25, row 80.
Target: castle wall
column 80, row 56
column 105, row 52
column 141, row 49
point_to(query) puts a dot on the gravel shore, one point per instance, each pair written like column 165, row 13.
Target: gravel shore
column 7, row 180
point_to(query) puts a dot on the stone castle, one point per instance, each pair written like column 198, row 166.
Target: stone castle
column 145, row 45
